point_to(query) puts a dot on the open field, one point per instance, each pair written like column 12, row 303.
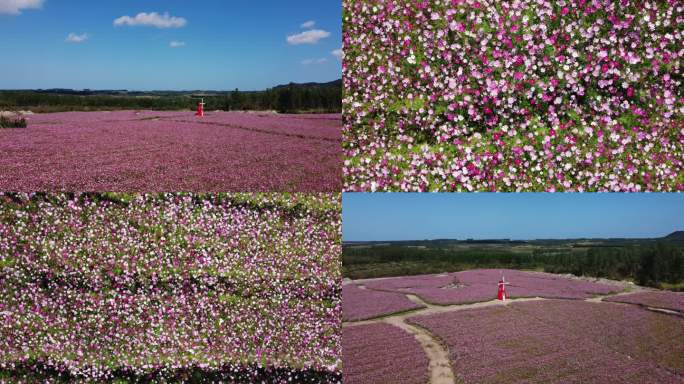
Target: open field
column 172, row 151
column 170, row 288
column 556, row 329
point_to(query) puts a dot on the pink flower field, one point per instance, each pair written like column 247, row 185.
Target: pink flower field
column 170, row 288
column 565, row 336
column 172, row 151
column 560, row 341
column 480, row 285
column 673, row 301
column 382, row 353
column 529, row 95
column 361, row 304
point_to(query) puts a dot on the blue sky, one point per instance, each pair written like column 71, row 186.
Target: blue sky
column 220, row 44
column 417, row 216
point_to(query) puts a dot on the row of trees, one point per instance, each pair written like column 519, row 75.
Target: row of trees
column 381, row 254
column 650, row 265
column 647, row 264
column 49, row 102
column 291, row 99
column 283, row 99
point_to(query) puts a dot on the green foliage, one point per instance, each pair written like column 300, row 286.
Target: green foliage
column 12, row 122
column 549, row 50
column 292, row 99
column 628, row 120
column 411, row 260
column 658, row 265
column 285, row 100
column 295, row 98
column 231, row 299
column 237, row 101
column 661, row 264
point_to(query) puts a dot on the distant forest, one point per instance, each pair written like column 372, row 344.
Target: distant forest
column 657, row 264
column 291, row 98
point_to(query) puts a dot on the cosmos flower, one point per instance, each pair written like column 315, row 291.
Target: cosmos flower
column 441, row 95
column 242, row 287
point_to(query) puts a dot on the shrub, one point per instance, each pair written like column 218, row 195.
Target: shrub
column 12, row 122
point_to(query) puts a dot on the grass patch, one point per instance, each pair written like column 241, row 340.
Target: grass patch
column 678, row 287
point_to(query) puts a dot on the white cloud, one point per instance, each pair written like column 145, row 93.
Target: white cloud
column 308, row 25
column 152, row 20
column 76, row 39
column 14, row 7
column 308, row 37
column 338, row 53
column 177, row 44
column 314, row 61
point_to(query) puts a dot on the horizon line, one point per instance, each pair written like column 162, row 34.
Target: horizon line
column 164, row 90
column 518, row 239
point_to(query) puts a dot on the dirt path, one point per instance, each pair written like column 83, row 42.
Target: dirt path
column 431, row 309
column 599, row 299
column 420, row 301
column 439, row 368
column 663, row 310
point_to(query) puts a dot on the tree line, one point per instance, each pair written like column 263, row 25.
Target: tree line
column 325, row 98
column 287, row 99
column 656, row 265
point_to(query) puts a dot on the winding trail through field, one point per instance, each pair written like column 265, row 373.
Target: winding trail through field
column 440, row 370
column 439, row 367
